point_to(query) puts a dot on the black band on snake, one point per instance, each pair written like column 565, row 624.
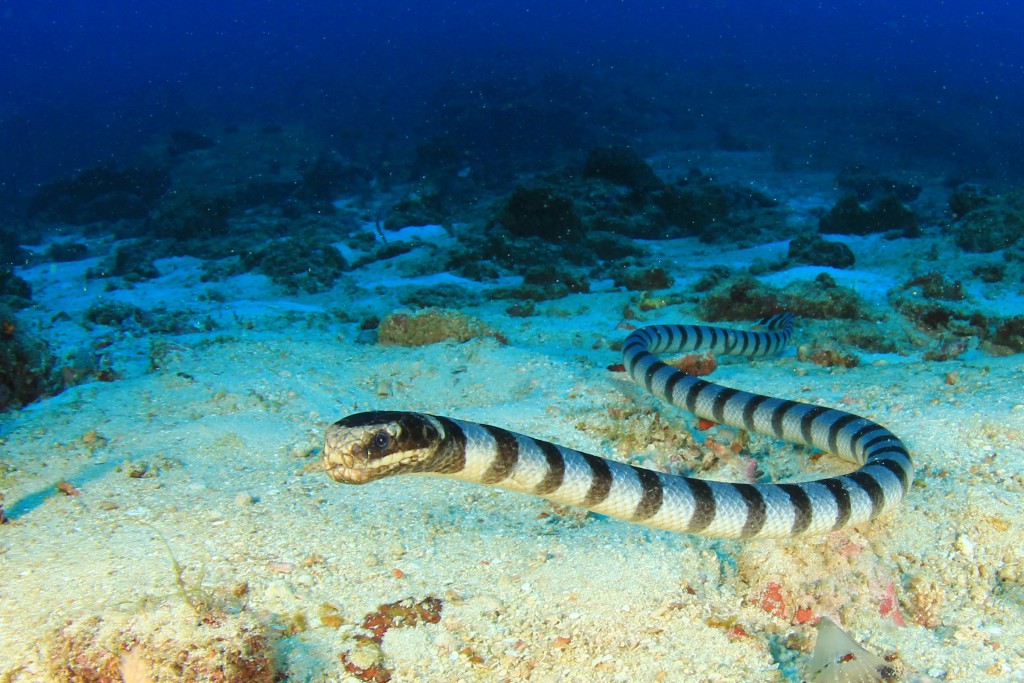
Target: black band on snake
column 369, row 446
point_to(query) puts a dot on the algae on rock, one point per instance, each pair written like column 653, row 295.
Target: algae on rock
column 430, row 326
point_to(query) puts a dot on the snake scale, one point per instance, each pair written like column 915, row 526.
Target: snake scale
column 368, row 446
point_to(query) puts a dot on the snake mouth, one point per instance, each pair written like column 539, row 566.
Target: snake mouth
column 338, row 471
column 349, row 466
column 347, row 474
column 350, row 462
column 353, row 467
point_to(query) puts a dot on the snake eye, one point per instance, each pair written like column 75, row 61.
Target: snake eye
column 381, row 440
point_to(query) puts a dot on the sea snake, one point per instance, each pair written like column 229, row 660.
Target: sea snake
column 368, row 446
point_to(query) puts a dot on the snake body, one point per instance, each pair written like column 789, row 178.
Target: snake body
column 367, row 446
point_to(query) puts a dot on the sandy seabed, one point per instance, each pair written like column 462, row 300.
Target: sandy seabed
column 179, row 517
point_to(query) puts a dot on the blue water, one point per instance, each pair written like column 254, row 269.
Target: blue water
column 918, row 82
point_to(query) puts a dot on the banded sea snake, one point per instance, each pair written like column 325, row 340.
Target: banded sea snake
column 368, row 446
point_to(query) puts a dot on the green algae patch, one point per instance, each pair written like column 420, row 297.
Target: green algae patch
column 431, row 326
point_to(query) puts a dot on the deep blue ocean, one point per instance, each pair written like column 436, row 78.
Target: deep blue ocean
column 913, row 82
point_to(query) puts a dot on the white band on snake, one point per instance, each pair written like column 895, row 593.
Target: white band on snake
column 367, row 446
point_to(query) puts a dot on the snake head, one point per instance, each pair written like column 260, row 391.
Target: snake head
column 365, row 447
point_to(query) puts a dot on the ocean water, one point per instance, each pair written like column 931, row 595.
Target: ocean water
column 225, row 226
column 85, row 82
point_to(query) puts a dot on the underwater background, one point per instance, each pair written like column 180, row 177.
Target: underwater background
column 516, row 83
column 224, row 226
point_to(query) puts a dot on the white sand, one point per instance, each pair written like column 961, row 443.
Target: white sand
column 232, row 418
